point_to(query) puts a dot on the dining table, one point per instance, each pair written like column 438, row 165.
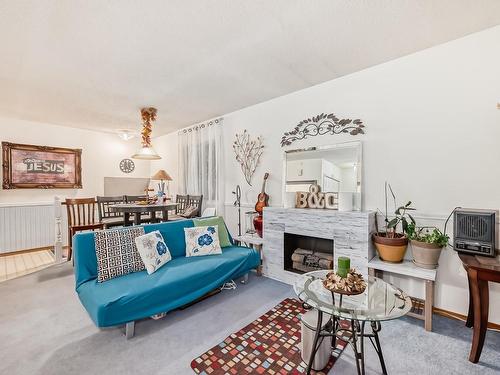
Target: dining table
column 138, row 209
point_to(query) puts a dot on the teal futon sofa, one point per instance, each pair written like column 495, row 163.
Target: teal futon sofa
column 125, row 299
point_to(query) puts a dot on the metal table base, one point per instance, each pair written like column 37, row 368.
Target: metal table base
column 356, row 334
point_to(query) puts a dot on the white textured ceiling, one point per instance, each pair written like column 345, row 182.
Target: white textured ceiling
column 94, row 63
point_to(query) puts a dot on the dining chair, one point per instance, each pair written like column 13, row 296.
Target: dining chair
column 81, row 217
column 196, row 201
column 189, row 207
column 182, row 202
column 106, row 216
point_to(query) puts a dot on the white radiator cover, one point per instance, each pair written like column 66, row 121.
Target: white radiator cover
column 28, row 226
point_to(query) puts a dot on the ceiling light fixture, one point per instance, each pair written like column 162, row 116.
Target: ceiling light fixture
column 126, row 134
column 147, row 152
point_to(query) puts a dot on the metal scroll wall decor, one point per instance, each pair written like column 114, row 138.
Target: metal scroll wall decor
column 248, row 152
column 321, row 125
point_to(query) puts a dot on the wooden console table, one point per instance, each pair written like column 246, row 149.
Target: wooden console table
column 480, row 270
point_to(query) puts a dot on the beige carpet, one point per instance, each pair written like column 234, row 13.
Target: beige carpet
column 45, row 330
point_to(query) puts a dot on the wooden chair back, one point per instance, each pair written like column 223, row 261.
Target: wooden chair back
column 182, row 202
column 103, row 204
column 196, row 201
column 81, row 211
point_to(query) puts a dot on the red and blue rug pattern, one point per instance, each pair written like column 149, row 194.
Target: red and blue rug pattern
column 268, row 345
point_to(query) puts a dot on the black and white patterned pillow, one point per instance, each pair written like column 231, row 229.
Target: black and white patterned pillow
column 117, row 253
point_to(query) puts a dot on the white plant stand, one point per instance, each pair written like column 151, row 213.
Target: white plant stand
column 408, row 268
column 255, row 242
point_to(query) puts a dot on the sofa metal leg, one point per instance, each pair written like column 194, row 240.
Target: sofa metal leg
column 245, row 279
column 129, row 330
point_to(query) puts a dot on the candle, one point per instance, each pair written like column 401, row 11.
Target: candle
column 343, row 266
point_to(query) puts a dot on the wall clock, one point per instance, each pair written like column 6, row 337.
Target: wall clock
column 127, row 166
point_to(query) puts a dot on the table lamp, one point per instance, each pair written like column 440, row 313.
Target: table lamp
column 162, row 176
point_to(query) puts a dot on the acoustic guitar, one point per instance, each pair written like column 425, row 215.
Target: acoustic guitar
column 263, row 198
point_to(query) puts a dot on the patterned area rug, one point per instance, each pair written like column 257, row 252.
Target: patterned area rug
column 268, row 345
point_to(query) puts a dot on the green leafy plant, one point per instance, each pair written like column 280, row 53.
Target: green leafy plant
column 430, row 235
column 400, row 216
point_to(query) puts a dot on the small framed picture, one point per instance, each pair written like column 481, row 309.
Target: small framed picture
column 41, row 167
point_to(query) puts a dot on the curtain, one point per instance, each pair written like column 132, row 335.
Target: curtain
column 200, row 163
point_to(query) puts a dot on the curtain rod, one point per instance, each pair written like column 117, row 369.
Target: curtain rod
column 202, row 125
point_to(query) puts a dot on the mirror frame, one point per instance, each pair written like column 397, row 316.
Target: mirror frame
column 358, row 144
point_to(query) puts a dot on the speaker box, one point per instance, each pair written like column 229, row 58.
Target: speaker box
column 475, row 231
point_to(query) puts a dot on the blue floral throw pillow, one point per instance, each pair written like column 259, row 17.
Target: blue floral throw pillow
column 202, row 241
column 153, row 251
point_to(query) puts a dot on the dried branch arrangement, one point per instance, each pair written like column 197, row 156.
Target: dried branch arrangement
column 148, row 117
column 352, row 284
column 248, row 152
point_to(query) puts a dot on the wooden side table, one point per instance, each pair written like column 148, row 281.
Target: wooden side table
column 253, row 241
column 480, row 270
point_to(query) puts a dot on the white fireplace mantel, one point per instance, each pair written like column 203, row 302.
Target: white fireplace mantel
column 350, row 232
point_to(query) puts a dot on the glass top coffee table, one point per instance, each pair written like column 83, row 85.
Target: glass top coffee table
column 381, row 301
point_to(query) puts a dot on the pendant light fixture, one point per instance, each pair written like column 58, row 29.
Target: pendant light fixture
column 147, row 151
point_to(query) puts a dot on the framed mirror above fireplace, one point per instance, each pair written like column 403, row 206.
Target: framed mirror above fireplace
column 335, row 168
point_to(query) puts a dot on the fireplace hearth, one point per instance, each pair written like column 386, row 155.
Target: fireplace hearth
column 306, row 253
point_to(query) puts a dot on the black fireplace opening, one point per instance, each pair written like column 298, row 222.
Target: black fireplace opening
column 305, row 253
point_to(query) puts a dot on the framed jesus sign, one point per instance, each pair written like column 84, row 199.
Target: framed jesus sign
column 41, row 167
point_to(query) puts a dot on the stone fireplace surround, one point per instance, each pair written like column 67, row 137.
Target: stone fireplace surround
column 350, row 232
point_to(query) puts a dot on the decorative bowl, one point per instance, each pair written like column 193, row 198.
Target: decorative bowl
column 351, row 285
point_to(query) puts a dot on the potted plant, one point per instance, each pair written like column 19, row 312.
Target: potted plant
column 426, row 245
column 391, row 245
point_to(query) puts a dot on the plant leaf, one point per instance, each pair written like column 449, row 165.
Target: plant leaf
column 392, row 193
column 404, row 224
column 393, row 223
column 412, row 219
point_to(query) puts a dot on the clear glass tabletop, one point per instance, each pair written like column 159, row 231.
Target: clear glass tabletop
column 380, row 300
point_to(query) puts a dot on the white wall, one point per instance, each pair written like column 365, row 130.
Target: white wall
column 432, row 130
column 101, row 156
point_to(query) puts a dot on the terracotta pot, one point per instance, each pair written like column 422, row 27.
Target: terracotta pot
column 390, row 249
column 425, row 255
